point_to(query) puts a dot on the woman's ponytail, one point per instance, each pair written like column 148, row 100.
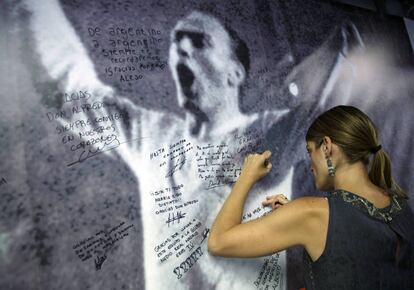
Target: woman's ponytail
column 381, row 174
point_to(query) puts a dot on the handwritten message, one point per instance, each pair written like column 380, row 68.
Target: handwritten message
column 185, row 242
column 86, row 127
column 250, row 141
column 255, row 213
column 168, row 200
column 130, row 51
column 270, row 274
column 98, row 245
column 216, row 165
column 173, row 157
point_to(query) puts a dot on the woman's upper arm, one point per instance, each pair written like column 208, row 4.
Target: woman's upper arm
column 290, row 225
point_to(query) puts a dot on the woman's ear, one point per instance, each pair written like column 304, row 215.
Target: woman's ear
column 327, row 145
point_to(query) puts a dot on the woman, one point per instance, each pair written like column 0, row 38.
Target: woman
column 359, row 237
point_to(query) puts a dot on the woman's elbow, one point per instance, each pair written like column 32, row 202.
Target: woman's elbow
column 213, row 247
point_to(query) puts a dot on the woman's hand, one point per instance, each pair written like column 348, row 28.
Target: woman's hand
column 256, row 166
column 275, row 201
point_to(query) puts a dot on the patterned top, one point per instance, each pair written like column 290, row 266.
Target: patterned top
column 366, row 247
column 384, row 214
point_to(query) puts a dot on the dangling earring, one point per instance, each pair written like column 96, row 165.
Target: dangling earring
column 331, row 169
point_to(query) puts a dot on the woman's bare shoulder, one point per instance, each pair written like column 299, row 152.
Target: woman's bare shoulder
column 310, row 203
column 312, row 216
column 309, row 208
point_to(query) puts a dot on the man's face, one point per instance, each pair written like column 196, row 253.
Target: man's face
column 201, row 60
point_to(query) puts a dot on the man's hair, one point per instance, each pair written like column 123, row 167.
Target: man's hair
column 239, row 46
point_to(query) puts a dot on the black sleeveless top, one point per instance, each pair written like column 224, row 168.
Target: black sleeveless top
column 361, row 246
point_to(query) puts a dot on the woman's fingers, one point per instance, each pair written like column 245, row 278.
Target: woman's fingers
column 257, row 165
column 267, row 154
column 269, row 166
column 275, row 201
column 276, row 196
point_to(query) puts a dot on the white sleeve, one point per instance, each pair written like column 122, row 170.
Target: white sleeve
column 105, row 123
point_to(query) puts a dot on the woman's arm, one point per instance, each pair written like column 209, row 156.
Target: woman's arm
column 300, row 222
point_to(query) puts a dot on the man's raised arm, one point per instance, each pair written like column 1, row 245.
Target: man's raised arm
column 91, row 119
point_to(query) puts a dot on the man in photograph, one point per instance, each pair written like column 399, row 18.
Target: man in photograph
column 209, row 63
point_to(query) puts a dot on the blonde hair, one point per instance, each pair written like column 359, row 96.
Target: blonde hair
column 355, row 133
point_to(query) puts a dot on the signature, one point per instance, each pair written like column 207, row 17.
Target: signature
column 99, row 261
column 177, row 166
column 219, row 183
column 212, row 184
column 111, row 143
column 205, row 234
column 174, row 218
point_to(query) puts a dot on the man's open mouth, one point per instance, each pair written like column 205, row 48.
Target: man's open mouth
column 186, row 78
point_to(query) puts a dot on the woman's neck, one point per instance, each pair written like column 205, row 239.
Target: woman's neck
column 354, row 178
column 350, row 176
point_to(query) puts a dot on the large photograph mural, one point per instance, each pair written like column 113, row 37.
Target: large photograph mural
column 124, row 125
